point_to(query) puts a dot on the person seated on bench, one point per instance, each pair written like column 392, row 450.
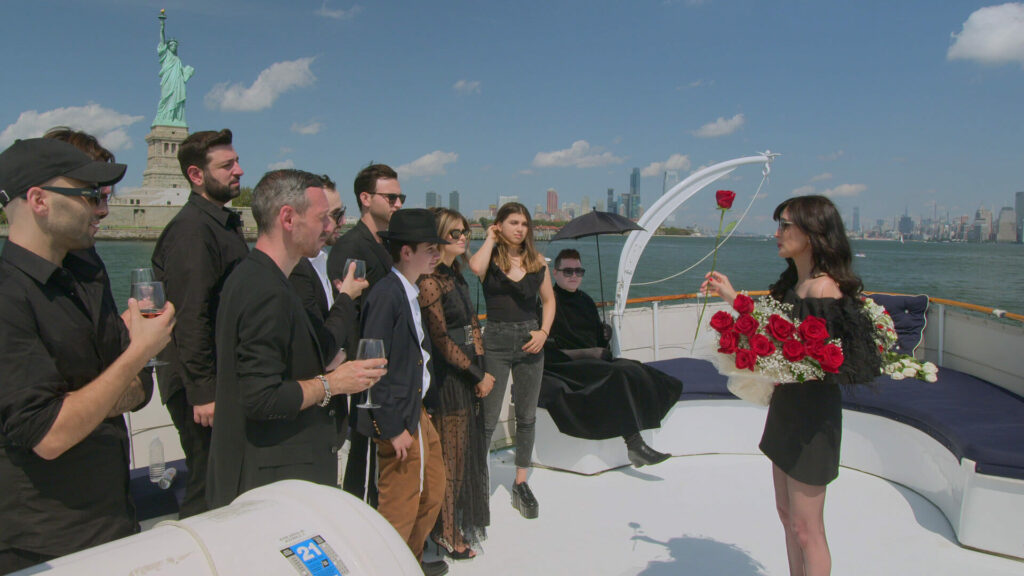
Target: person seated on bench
column 588, row 393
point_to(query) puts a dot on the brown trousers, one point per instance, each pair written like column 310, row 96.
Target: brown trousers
column 412, row 512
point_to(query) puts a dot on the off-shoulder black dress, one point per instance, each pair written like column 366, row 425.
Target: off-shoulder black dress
column 805, row 419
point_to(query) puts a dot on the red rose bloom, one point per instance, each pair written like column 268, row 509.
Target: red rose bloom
column 727, row 342
column 793, row 350
column 746, row 324
column 832, row 358
column 761, row 345
column 721, row 321
column 815, row 349
column 743, row 304
column 813, row 329
column 780, row 328
column 745, row 359
column 725, row 198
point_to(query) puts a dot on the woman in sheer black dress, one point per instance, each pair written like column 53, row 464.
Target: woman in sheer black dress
column 804, row 425
column 458, row 370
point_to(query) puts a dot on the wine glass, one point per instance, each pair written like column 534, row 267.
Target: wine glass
column 142, row 275
column 151, row 299
column 360, row 272
column 370, row 348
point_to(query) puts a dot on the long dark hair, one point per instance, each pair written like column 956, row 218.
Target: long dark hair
column 817, row 217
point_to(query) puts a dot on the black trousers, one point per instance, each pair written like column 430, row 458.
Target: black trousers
column 195, row 441
column 13, row 559
column 361, row 454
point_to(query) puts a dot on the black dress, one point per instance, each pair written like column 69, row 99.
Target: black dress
column 457, row 368
column 598, row 398
column 804, row 427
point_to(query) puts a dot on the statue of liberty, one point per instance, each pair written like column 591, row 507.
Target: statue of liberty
column 173, row 76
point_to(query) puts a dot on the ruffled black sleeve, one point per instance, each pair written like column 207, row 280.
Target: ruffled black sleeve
column 846, row 320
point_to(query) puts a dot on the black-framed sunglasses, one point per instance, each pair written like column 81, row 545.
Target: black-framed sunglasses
column 456, row 233
column 573, row 271
column 391, row 198
column 783, row 224
column 338, row 215
column 94, row 195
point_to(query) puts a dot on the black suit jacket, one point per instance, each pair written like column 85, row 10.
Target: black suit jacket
column 359, row 243
column 387, row 315
column 265, row 343
column 336, row 327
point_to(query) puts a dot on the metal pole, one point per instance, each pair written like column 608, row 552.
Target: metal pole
column 600, row 277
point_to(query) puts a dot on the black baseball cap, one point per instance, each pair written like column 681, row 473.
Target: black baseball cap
column 28, row 163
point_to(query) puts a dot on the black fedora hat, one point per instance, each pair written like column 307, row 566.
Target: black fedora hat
column 28, row 163
column 412, row 225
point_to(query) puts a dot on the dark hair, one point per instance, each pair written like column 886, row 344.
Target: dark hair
column 817, row 217
column 193, row 150
column 328, row 183
column 366, row 180
column 280, row 188
column 395, row 248
column 567, row 254
column 532, row 261
column 82, row 140
column 446, row 218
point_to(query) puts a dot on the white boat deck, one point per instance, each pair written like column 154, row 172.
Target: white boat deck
column 710, row 515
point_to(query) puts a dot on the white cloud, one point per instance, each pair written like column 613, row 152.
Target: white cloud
column 308, row 128
column 833, row 156
column 844, row 190
column 822, row 176
column 271, row 83
column 467, row 87
column 720, row 127
column 991, row 35
column 432, row 164
column 578, row 155
column 281, row 165
column 676, row 162
column 339, row 14
column 105, row 124
column 803, row 191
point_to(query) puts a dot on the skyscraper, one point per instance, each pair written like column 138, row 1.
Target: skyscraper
column 1018, row 207
column 611, row 205
column 432, row 199
column 856, row 219
column 1006, row 226
column 585, row 205
column 552, row 207
column 632, row 200
column 453, row 200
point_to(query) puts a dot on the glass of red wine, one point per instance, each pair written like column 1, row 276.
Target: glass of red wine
column 151, row 299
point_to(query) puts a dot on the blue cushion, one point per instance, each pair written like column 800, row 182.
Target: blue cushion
column 908, row 316
column 699, row 377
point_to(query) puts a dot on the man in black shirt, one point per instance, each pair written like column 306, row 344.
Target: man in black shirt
column 193, row 257
column 71, row 366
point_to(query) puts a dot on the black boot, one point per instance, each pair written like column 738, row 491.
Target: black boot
column 524, row 501
column 640, row 454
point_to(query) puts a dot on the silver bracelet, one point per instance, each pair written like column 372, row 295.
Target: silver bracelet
column 327, row 391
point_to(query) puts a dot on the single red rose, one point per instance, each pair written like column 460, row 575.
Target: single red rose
column 762, row 345
column 727, row 342
column 813, row 329
column 832, row 358
column 725, row 198
column 721, row 321
column 815, row 349
column 743, row 304
column 793, row 350
column 780, row 328
column 745, row 359
column 746, row 325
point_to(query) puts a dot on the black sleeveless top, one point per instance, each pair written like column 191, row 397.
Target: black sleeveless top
column 509, row 301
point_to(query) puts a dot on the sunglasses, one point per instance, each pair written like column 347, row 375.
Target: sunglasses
column 573, row 271
column 456, row 234
column 93, row 195
column 338, row 215
column 392, row 198
column 783, row 224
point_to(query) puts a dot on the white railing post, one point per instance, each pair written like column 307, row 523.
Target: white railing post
column 942, row 331
column 654, row 311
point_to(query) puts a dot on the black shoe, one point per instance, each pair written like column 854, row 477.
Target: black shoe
column 643, row 455
column 435, row 568
column 524, row 501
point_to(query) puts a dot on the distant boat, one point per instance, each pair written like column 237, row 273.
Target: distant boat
column 860, row 255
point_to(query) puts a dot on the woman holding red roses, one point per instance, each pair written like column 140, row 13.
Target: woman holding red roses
column 803, row 429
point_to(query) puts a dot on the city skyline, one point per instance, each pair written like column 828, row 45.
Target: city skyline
column 877, row 105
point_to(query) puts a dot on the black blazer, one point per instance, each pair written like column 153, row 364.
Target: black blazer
column 264, row 344
column 359, row 243
column 337, row 327
column 387, row 315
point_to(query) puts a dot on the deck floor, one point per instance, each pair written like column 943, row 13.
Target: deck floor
column 710, row 515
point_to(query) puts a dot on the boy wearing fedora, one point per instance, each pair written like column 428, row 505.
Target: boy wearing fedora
column 411, row 474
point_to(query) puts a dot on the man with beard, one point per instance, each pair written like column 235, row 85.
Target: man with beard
column 71, row 367
column 193, row 257
column 378, row 195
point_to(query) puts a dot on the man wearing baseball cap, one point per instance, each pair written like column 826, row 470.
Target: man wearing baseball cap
column 70, row 363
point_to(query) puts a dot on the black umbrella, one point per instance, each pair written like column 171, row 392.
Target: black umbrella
column 594, row 224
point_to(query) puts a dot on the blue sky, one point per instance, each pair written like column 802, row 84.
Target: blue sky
column 882, row 105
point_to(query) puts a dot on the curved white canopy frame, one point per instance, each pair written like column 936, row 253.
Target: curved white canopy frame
column 637, row 240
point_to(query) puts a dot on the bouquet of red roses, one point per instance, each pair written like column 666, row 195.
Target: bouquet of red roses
column 762, row 345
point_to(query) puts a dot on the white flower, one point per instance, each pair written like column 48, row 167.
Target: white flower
column 897, row 376
column 894, row 367
column 910, row 372
column 930, row 368
column 907, row 362
column 931, row 377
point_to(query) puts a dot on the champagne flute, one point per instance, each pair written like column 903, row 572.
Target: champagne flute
column 360, row 272
column 370, row 348
column 151, row 299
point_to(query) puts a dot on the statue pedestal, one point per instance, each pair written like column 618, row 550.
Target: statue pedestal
column 162, row 168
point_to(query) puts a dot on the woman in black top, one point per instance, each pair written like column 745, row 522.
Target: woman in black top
column 513, row 273
column 458, row 371
column 805, row 420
